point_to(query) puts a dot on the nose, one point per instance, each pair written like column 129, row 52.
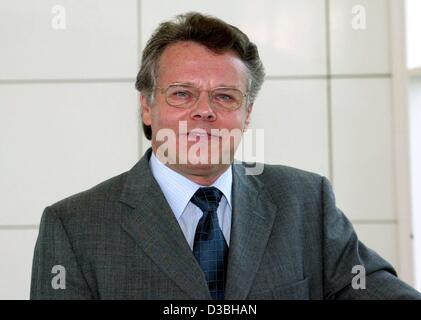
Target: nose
column 202, row 109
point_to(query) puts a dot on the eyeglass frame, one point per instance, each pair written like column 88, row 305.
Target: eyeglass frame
column 196, row 98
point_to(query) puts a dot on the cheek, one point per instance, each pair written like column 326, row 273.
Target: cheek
column 164, row 118
column 233, row 121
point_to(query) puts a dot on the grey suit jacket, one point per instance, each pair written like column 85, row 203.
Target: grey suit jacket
column 120, row 240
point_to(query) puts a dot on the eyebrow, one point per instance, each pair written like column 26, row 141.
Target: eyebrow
column 191, row 84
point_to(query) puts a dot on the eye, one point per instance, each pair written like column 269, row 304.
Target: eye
column 181, row 94
column 224, row 97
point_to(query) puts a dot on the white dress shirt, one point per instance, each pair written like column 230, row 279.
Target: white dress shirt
column 178, row 190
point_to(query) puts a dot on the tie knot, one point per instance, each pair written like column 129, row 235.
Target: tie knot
column 207, row 198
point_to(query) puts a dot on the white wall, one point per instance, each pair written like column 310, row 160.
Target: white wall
column 69, row 119
column 413, row 27
column 68, row 114
column 413, row 54
column 415, row 108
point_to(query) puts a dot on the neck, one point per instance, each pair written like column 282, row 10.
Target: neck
column 203, row 176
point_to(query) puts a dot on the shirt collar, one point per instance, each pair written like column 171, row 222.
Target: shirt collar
column 178, row 190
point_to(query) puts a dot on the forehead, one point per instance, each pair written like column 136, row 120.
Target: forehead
column 192, row 62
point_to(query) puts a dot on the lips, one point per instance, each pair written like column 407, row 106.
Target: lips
column 197, row 133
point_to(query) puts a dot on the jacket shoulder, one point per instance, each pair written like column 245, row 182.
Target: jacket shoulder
column 281, row 175
column 291, row 174
column 103, row 194
column 293, row 185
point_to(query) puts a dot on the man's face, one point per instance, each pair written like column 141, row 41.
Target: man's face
column 193, row 64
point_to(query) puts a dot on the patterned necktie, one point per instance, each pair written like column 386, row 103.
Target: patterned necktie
column 210, row 248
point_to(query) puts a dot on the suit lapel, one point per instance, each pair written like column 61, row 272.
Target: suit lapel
column 154, row 227
column 252, row 220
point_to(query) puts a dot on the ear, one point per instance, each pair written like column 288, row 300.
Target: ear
column 145, row 110
column 248, row 114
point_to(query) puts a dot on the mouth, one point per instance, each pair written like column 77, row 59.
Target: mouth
column 201, row 133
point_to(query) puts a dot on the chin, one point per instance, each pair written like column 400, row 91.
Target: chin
column 202, row 169
column 202, row 166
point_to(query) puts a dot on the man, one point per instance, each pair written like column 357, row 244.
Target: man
column 186, row 223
